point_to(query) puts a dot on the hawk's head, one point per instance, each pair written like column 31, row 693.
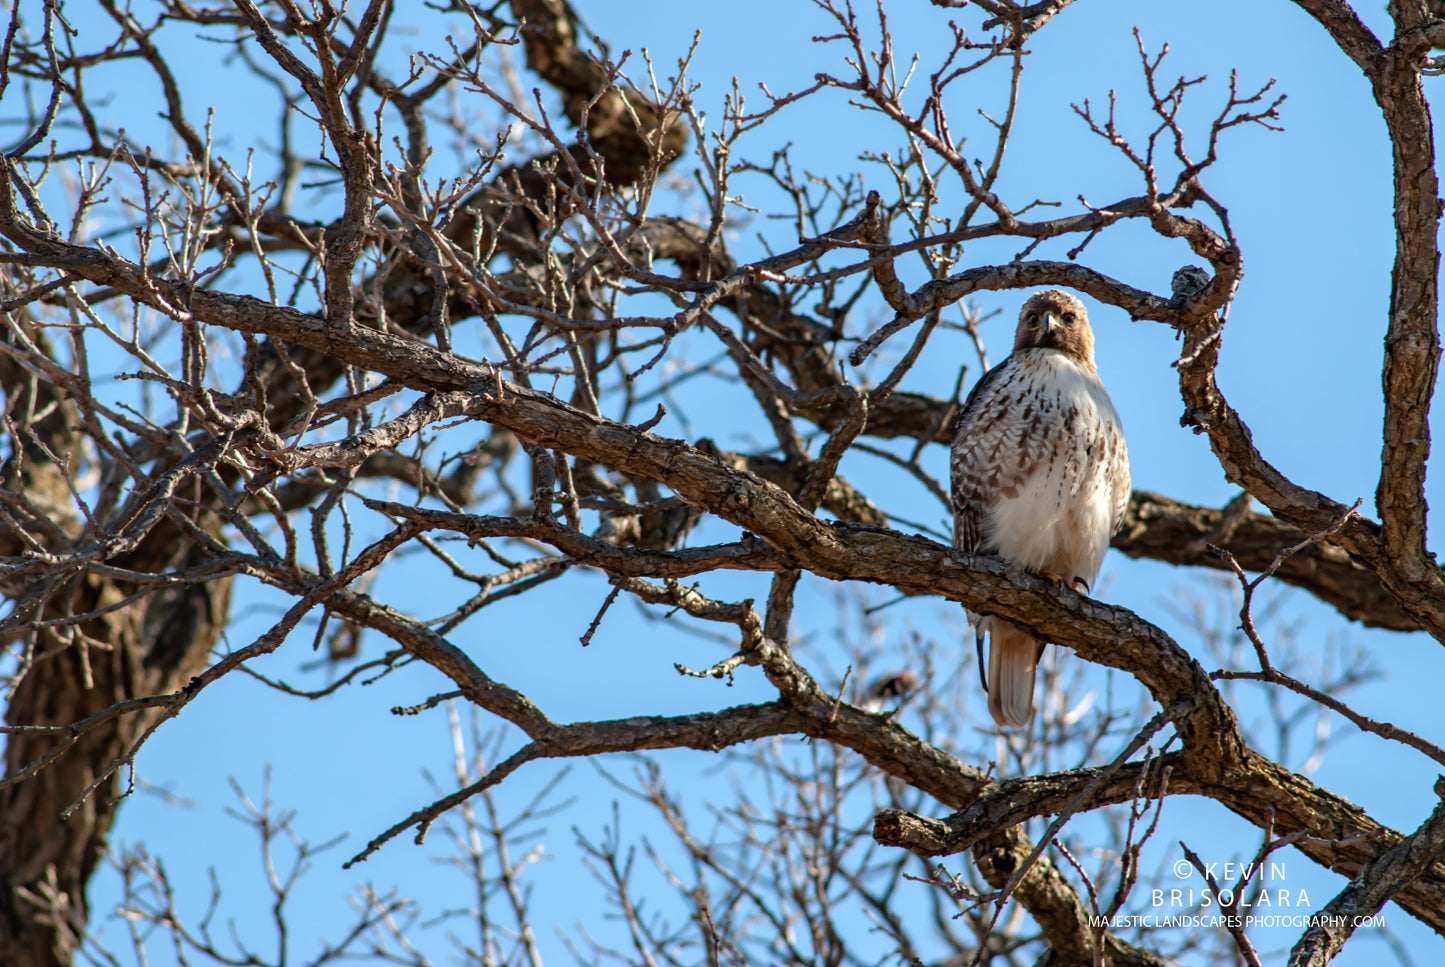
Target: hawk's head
column 1053, row 319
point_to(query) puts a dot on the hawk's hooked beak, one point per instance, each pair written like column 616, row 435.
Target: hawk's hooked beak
column 1051, row 322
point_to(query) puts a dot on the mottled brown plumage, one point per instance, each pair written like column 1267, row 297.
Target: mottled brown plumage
column 1040, row 477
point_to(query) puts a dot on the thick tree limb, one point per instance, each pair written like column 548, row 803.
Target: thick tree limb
column 1339, row 835
column 1412, row 339
column 1160, row 529
column 1376, row 883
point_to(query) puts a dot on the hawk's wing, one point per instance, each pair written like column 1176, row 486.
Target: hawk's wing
column 993, row 451
column 1118, row 457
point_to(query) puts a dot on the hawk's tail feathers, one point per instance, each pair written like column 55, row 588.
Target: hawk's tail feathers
column 1013, row 658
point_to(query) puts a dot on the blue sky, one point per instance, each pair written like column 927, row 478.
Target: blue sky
column 1301, row 363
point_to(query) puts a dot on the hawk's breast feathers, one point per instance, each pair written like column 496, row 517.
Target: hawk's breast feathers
column 1040, row 468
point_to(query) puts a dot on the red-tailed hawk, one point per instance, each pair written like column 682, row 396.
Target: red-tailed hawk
column 1040, row 478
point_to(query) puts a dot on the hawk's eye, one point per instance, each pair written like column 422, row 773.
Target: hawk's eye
column 1033, row 319
column 1068, row 318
